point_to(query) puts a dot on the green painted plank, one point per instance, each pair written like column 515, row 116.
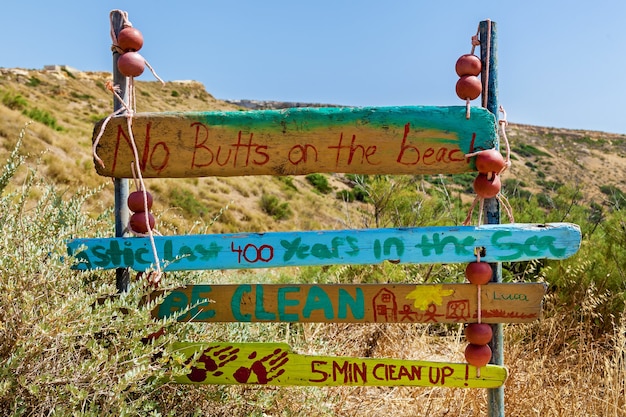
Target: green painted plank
column 276, row 364
column 353, row 303
column 362, row 140
column 501, row 243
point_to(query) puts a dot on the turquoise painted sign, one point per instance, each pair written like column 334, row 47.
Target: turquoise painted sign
column 497, row 243
column 361, row 140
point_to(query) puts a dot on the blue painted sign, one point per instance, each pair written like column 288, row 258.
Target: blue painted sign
column 497, row 243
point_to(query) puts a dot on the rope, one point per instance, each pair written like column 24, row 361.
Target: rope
column 153, row 279
column 125, row 23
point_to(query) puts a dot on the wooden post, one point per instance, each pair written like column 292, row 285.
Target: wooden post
column 489, row 57
column 122, row 214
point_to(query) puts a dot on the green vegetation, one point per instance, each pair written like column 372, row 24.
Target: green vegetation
column 616, row 197
column 42, row 116
column 525, row 149
column 33, row 82
column 271, row 205
column 18, row 102
column 14, row 101
column 185, row 200
column 320, row 183
column 70, row 346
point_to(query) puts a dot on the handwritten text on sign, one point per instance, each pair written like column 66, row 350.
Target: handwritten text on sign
column 368, row 140
column 498, row 243
column 361, row 303
column 276, row 364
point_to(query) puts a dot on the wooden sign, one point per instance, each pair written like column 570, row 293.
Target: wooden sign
column 362, row 140
column 277, row 364
column 357, row 303
column 442, row 244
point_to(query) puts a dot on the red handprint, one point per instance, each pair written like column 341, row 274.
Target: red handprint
column 213, row 360
column 263, row 368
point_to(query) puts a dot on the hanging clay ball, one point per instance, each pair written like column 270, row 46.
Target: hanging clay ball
column 138, row 222
column 478, row 273
column 136, row 203
column 478, row 355
column 468, row 64
column 486, row 187
column 468, row 87
column 478, row 333
column 130, row 39
column 131, row 64
column 489, row 160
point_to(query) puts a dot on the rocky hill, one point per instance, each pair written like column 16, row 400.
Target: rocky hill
column 62, row 105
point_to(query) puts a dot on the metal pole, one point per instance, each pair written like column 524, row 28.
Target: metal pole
column 489, row 57
column 122, row 214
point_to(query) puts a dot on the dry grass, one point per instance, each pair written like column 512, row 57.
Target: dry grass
column 557, row 366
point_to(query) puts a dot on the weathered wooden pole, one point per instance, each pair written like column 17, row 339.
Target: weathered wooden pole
column 122, row 215
column 489, row 57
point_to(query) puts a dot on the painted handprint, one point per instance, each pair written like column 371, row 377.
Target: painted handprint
column 266, row 369
column 213, row 358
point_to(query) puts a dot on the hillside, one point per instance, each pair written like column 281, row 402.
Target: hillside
column 68, row 346
column 65, row 103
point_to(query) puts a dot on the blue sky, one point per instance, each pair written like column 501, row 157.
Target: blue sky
column 561, row 63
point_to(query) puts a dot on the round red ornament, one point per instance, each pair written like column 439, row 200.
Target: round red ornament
column 468, row 87
column 130, row 39
column 486, row 187
column 477, row 355
column 138, row 222
column 489, row 160
column 468, row 64
column 478, row 333
column 136, row 203
column 478, row 273
column 131, row 64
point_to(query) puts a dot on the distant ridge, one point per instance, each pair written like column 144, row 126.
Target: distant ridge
column 269, row 104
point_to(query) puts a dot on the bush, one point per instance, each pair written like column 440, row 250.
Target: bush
column 14, row 102
column 186, row 201
column 61, row 351
column 42, row 116
column 320, row 183
column 33, row 82
column 271, row 205
column 345, row 195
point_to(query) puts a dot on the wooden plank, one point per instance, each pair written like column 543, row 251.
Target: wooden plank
column 363, row 140
column 442, row 244
column 276, row 364
column 353, row 303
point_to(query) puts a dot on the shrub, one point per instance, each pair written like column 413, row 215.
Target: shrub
column 345, row 195
column 42, row 116
column 186, row 201
column 271, row 205
column 288, row 181
column 527, row 150
column 319, row 182
column 14, row 102
column 617, row 198
column 61, row 351
column 33, row 82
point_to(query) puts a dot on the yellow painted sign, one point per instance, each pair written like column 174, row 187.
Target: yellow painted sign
column 277, row 364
